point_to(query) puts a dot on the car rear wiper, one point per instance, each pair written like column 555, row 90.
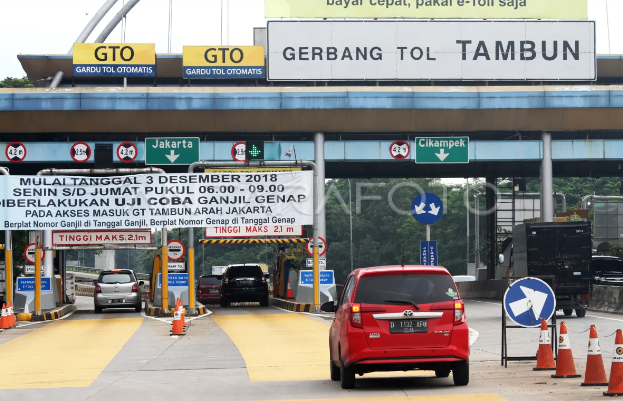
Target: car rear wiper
column 402, row 302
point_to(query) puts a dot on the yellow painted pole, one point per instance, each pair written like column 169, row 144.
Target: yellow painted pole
column 191, row 277
column 165, row 271
column 8, row 270
column 38, row 275
column 316, row 277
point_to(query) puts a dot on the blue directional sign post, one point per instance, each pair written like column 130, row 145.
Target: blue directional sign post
column 428, row 253
column 427, row 209
column 529, row 300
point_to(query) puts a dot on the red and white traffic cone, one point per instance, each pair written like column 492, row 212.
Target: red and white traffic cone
column 178, row 328
column 545, row 358
column 565, row 367
column 595, row 374
column 4, row 318
column 12, row 321
column 615, row 387
column 289, row 293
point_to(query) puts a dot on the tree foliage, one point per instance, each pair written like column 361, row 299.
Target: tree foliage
column 16, row 83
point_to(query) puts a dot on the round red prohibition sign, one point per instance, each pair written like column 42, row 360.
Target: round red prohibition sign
column 400, row 150
column 127, row 152
column 15, row 152
column 175, row 249
column 80, row 152
column 322, row 247
column 29, row 253
column 238, row 151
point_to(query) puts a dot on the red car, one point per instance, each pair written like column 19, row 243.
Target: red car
column 208, row 289
column 398, row 318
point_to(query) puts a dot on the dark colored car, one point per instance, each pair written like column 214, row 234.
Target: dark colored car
column 607, row 270
column 244, row 283
column 208, row 289
column 117, row 288
column 398, row 318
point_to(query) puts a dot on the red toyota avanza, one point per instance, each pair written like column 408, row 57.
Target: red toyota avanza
column 398, row 318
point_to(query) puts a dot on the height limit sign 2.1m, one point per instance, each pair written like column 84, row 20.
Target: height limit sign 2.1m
column 438, row 150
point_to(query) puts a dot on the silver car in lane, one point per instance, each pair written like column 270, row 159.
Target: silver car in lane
column 117, row 288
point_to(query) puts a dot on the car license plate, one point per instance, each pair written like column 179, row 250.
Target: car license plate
column 213, row 291
column 246, row 282
column 116, row 301
column 408, row 326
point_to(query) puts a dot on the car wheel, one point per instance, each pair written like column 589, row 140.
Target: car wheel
column 580, row 312
column 567, row 312
column 442, row 372
column 347, row 376
column 264, row 302
column 139, row 308
column 460, row 374
column 335, row 371
column 98, row 309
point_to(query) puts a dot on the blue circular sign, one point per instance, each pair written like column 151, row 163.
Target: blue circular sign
column 529, row 300
column 427, row 208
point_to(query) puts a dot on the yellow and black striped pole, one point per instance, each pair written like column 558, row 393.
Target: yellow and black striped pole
column 254, row 241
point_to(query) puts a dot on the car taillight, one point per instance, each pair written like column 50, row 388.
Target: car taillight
column 585, row 296
column 226, row 281
column 459, row 313
column 134, row 287
column 98, row 289
column 355, row 316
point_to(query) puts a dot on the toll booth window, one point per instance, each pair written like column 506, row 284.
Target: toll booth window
column 210, row 281
column 421, row 289
column 116, row 278
column 245, row 271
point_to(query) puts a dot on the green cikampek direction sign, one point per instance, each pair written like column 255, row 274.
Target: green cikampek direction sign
column 442, row 150
column 170, row 151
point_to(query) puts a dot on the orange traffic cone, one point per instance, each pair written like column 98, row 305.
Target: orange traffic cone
column 545, row 358
column 565, row 367
column 289, row 291
column 178, row 328
column 12, row 322
column 615, row 388
column 182, row 311
column 595, row 373
column 4, row 318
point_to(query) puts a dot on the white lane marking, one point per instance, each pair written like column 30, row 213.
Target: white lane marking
column 605, row 318
column 473, row 336
column 169, row 320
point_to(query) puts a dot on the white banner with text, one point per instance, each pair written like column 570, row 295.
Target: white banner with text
column 156, row 201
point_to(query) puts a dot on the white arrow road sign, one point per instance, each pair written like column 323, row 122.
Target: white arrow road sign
column 172, row 157
column 434, row 210
column 420, row 209
column 442, row 154
column 534, row 300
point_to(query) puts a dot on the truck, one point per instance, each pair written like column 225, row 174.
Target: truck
column 218, row 270
column 559, row 249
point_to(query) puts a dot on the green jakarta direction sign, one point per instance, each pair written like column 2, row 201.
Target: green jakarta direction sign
column 169, row 151
column 442, row 150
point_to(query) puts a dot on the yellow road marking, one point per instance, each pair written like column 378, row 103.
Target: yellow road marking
column 64, row 353
column 280, row 347
column 453, row 397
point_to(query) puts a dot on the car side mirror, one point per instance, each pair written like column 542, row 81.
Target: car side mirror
column 328, row 307
column 501, row 258
column 266, row 275
column 141, row 283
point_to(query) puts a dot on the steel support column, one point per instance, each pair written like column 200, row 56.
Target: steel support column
column 491, row 202
column 547, row 180
column 320, row 166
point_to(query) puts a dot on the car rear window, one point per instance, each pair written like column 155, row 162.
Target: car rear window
column 610, row 265
column 116, row 278
column 210, row 281
column 245, row 271
column 418, row 288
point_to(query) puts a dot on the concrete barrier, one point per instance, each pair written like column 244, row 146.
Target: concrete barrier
column 607, row 298
column 486, row 289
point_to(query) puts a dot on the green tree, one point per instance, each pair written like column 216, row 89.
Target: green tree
column 16, row 83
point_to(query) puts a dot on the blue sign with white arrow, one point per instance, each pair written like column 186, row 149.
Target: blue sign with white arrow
column 529, row 300
column 428, row 253
column 427, row 208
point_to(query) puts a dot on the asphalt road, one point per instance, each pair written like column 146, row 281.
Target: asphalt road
column 255, row 353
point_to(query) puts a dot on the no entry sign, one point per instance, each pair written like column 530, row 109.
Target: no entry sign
column 29, row 253
column 175, row 250
column 322, row 247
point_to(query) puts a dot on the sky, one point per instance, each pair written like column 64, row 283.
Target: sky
column 50, row 27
